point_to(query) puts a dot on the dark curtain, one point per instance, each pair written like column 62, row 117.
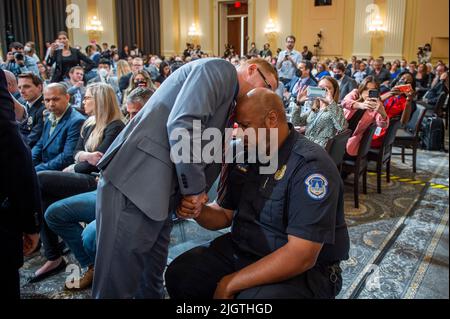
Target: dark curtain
column 31, row 20
column 138, row 22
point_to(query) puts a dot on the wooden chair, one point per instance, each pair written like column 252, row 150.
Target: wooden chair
column 383, row 155
column 358, row 166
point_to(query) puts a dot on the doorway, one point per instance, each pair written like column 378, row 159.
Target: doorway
column 233, row 27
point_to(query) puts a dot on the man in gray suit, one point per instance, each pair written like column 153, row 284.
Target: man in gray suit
column 346, row 83
column 141, row 186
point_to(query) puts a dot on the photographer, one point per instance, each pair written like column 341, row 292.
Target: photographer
column 362, row 108
column 17, row 62
column 288, row 61
column 65, row 58
column 424, row 54
column 326, row 118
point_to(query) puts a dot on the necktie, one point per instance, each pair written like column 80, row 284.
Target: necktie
column 225, row 166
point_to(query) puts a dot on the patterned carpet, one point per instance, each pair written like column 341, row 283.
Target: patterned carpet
column 394, row 237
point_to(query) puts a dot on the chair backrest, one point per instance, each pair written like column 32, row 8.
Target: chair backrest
column 416, row 120
column 391, row 132
column 337, row 145
column 366, row 141
column 439, row 107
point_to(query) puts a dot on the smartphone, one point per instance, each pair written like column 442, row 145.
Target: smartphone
column 404, row 88
column 315, row 93
column 374, row 94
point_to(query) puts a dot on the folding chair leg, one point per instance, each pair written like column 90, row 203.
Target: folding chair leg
column 356, row 190
column 415, row 159
column 379, row 171
column 403, row 155
column 365, row 182
column 388, row 171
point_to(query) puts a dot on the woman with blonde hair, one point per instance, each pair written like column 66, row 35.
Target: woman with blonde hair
column 123, row 68
column 326, row 118
column 97, row 134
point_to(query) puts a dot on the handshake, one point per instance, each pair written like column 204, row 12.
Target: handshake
column 191, row 206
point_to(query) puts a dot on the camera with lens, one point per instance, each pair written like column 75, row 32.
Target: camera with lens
column 19, row 56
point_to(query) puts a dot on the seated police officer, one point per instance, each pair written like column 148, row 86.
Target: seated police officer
column 288, row 232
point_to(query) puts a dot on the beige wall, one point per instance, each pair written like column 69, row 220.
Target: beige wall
column 425, row 19
column 105, row 13
column 298, row 17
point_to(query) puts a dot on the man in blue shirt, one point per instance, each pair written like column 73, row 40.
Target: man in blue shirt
column 288, row 61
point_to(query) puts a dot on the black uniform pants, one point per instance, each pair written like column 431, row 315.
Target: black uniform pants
column 196, row 273
column 56, row 186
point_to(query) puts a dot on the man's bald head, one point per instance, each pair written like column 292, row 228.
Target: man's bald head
column 258, row 104
column 11, row 81
column 60, row 88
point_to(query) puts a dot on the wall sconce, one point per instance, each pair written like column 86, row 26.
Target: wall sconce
column 376, row 25
column 271, row 29
column 94, row 25
column 94, row 28
column 193, row 31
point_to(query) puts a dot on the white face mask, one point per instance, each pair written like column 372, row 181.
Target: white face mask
column 103, row 73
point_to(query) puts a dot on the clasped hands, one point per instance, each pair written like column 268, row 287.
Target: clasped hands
column 191, row 206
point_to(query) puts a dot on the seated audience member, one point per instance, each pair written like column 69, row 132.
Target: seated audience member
column 361, row 73
column 44, row 73
column 413, row 68
column 306, row 54
column 140, row 79
column 30, row 87
column 75, row 87
column 164, row 71
column 394, row 71
column 262, row 257
column 396, row 104
column 122, row 69
column 104, row 75
column 326, row 118
column 361, row 112
column 137, row 65
column 266, row 52
column 54, row 150
column 380, row 74
column 97, row 134
column 64, row 216
column 19, row 102
column 437, row 86
column 137, row 100
column 403, row 65
column 301, row 81
column 346, row 83
column 422, row 81
column 322, row 71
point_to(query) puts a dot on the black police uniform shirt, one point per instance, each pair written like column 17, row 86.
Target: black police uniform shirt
column 303, row 199
column 31, row 128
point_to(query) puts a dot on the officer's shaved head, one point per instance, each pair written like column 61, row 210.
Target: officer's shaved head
column 258, row 104
column 60, row 88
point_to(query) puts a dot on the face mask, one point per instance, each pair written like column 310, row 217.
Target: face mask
column 338, row 76
column 103, row 73
column 141, row 84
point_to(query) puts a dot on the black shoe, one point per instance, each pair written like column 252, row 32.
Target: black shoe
column 61, row 267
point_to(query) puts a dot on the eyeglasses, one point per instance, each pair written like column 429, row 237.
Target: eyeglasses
column 268, row 86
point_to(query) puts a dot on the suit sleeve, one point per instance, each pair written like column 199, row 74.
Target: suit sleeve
column 208, row 86
column 36, row 132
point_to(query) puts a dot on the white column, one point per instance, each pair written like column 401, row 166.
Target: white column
column 362, row 39
column 395, row 25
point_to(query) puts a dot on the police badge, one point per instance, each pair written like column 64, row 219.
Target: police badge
column 316, row 186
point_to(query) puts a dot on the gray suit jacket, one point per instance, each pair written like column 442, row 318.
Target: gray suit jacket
column 139, row 164
column 347, row 85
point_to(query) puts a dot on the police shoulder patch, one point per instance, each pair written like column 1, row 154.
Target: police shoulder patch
column 316, row 186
